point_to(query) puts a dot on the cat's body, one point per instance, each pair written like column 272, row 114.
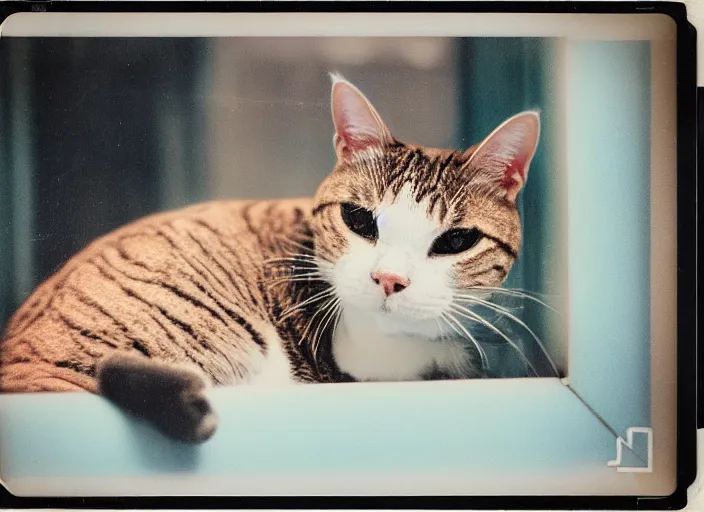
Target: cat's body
column 178, row 287
column 185, row 286
column 365, row 281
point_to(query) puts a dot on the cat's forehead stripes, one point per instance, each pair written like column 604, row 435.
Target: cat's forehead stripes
column 434, row 176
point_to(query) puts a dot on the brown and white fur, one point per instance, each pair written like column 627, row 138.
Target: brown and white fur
column 283, row 292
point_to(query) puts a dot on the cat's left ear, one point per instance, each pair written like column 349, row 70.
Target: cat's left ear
column 504, row 156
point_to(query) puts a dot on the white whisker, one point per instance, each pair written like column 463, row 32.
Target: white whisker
column 297, row 258
column 312, row 319
column 449, row 318
column 329, row 308
column 338, row 316
column 516, row 292
column 304, row 336
column 293, row 275
column 293, row 280
column 324, row 322
column 504, row 312
column 471, row 315
column 315, row 298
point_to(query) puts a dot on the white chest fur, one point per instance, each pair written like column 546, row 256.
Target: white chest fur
column 368, row 352
column 272, row 368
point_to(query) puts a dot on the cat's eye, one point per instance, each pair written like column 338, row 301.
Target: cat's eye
column 455, row 241
column 360, row 220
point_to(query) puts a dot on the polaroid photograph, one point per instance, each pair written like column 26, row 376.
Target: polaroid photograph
column 392, row 252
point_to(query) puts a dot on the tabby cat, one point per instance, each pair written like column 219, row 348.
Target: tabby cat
column 368, row 280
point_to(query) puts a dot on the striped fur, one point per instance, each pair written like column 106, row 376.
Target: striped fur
column 186, row 286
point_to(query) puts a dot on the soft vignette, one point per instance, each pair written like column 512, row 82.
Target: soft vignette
column 695, row 13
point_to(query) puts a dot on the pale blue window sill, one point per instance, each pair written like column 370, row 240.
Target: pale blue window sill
column 513, row 436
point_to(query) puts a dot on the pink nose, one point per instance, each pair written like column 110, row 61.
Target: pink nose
column 391, row 283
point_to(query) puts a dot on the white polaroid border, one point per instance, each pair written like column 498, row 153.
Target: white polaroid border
column 484, row 437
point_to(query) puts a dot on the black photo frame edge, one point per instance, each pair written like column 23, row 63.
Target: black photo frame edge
column 690, row 117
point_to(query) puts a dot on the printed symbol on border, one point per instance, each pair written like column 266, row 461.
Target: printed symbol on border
column 633, row 436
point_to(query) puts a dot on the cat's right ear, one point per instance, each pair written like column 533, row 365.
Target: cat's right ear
column 358, row 126
column 503, row 158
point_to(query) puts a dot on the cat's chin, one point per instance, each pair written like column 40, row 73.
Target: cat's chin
column 405, row 313
column 397, row 321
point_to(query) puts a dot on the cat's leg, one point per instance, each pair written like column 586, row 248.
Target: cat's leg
column 170, row 397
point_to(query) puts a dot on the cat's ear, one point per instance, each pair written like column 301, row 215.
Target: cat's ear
column 504, row 156
column 358, row 126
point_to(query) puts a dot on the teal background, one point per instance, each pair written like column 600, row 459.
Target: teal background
column 500, row 77
column 94, row 133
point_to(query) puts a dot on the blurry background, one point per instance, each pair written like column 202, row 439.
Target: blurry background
column 97, row 132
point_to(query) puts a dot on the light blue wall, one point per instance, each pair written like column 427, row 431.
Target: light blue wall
column 608, row 152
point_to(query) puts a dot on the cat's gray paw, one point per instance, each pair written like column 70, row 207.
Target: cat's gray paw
column 193, row 419
column 171, row 398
